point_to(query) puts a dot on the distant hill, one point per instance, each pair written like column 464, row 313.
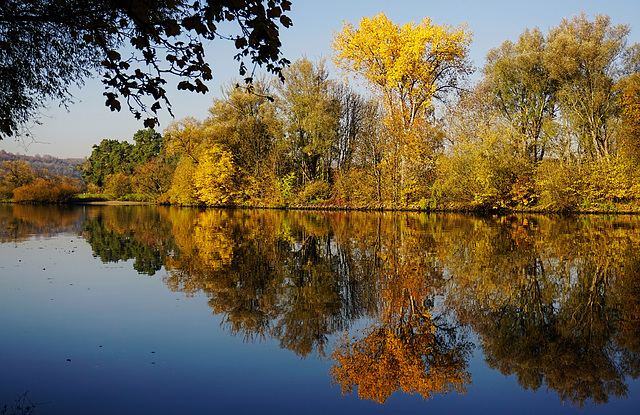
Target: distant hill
column 63, row 167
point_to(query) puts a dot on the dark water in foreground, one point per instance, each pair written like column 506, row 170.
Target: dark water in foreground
column 155, row 310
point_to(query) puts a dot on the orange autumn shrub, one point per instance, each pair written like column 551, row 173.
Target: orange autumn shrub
column 45, row 191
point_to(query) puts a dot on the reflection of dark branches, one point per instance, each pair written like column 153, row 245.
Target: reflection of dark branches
column 21, row 406
column 569, row 349
column 247, row 319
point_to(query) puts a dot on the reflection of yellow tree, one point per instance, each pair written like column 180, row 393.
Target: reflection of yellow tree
column 215, row 245
column 417, row 356
column 410, row 350
column 205, row 245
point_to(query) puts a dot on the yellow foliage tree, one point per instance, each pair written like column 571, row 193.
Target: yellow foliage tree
column 629, row 101
column 182, row 190
column 185, row 137
column 409, row 66
column 214, row 177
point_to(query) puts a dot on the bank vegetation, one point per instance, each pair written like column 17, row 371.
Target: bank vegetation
column 552, row 123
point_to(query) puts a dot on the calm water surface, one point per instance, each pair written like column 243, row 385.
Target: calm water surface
column 156, row 310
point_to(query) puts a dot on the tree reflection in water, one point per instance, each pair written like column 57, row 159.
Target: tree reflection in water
column 415, row 353
column 555, row 301
column 552, row 302
column 408, row 348
column 20, row 222
column 270, row 275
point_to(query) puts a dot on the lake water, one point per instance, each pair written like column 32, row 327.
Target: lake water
column 158, row 310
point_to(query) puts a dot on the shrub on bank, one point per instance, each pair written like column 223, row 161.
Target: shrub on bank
column 316, row 190
column 45, row 191
column 118, row 185
column 586, row 186
column 557, row 186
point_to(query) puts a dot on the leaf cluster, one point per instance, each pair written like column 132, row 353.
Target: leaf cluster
column 47, row 46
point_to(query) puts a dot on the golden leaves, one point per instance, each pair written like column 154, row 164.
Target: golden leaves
column 214, row 242
column 184, row 137
column 409, row 66
column 629, row 102
column 388, row 359
column 411, row 60
column 214, row 176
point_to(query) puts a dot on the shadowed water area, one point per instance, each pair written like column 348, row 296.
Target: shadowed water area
column 144, row 309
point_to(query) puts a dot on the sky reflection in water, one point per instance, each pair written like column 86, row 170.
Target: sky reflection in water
column 166, row 310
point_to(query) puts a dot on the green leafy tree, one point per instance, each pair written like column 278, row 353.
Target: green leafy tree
column 311, row 113
column 524, row 92
column 108, row 157
column 123, row 169
column 148, row 145
column 585, row 57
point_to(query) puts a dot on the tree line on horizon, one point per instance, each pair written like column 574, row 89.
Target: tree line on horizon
column 30, row 181
column 55, row 165
column 553, row 123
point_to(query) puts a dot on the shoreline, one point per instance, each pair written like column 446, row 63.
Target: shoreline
column 338, row 208
column 108, row 203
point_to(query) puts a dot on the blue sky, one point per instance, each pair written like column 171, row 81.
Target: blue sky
column 72, row 133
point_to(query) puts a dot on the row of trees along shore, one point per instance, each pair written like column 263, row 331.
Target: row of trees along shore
column 552, row 123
